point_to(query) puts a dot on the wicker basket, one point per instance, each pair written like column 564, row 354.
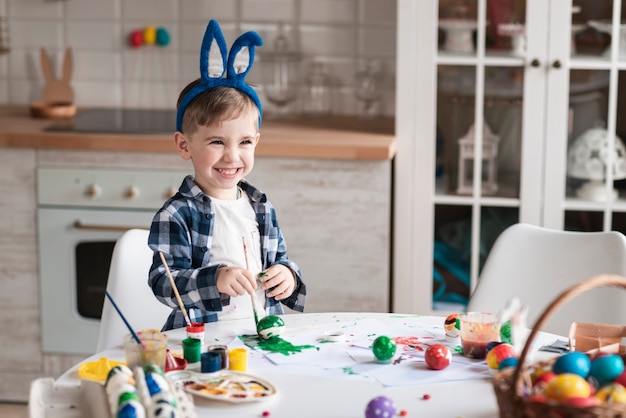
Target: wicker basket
column 511, row 384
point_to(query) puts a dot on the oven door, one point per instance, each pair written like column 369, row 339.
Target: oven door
column 75, row 247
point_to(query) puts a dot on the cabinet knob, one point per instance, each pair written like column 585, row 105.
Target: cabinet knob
column 556, row 64
column 132, row 192
column 535, row 63
column 93, row 191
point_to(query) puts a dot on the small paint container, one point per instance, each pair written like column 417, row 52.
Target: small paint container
column 196, row 330
column 221, row 349
column 210, row 361
column 238, row 359
column 192, row 348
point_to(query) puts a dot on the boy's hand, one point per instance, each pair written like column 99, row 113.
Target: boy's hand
column 235, row 281
column 279, row 279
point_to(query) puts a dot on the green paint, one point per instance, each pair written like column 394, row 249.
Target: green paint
column 458, row 349
column 348, row 370
column 273, row 344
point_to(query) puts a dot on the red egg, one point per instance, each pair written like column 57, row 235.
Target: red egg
column 582, row 402
column 621, row 379
column 136, row 38
column 438, row 357
column 544, row 378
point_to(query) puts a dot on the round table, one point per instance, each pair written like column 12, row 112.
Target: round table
column 321, row 390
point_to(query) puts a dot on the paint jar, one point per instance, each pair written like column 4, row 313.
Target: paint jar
column 196, row 330
column 151, row 350
column 238, row 359
column 192, row 348
column 210, row 361
column 221, row 349
column 477, row 330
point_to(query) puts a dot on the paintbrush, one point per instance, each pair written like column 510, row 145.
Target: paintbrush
column 132, row 331
column 245, row 253
column 180, row 301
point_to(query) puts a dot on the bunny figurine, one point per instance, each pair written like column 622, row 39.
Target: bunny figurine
column 57, row 91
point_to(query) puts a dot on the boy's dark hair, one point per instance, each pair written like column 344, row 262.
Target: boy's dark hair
column 213, row 106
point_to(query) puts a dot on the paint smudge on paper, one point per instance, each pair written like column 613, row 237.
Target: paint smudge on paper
column 274, row 344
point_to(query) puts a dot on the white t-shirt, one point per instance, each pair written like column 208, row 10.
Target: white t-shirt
column 235, row 221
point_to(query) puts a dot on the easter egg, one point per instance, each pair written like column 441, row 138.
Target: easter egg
column 567, row 385
column 270, row 326
column 606, row 368
column 574, row 362
column 438, row 357
column 621, row 379
column 135, row 38
column 499, row 353
column 131, row 409
column 162, row 37
column 149, row 35
column 452, row 327
column 543, row 379
column 380, row 407
column 384, row 348
column 538, row 372
column 612, row 393
column 580, row 402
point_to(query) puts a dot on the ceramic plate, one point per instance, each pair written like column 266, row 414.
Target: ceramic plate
column 224, row 385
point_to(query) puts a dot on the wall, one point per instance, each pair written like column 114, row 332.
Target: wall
column 343, row 34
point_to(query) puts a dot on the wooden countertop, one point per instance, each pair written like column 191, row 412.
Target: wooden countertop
column 347, row 138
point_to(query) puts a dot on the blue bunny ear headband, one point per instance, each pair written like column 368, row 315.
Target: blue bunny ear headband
column 214, row 62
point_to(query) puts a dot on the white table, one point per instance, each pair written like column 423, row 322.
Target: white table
column 302, row 394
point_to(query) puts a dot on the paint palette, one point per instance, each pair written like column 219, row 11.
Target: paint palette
column 224, row 385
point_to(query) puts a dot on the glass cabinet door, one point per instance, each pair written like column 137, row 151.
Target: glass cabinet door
column 586, row 183
column 482, row 104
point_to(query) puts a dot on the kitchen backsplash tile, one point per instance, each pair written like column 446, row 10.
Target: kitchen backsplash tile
column 108, row 72
column 329, row 11
column 146, row 10
column 203, row 10
column 93, row 9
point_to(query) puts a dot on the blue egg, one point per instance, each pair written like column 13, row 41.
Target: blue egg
column 574, row 362
column 606, row 368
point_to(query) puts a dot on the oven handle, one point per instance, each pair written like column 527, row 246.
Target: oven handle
column 79, row 225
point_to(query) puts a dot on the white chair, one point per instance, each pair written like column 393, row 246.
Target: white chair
column 128, row 286
column 536, row 264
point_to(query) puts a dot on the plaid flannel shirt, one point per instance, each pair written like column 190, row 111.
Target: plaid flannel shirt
column 182, row 230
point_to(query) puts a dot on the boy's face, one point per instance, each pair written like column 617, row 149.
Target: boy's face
column 222, row 154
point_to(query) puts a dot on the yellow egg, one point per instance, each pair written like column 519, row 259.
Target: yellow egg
column 567, row 385
column 612, row 393
column 149, row 35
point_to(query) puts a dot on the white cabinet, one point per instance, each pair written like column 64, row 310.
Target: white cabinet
column 491, row 96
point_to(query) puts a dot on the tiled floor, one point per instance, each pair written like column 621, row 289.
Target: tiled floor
column 13, row 410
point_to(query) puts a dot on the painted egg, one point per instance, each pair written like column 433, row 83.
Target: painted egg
column 607, row 368
column 452, row 326
column 582, row 402
column 384, row 348
column 543, row 379
column 438, row 357
column 621, row 379
column 380, row 407
column 505, row 332
column 573, row 362
column 156, row 383
column 508, row 362
column 149, row 35
column 131, row 409
column 612, row 393
column 270, row 326
column 499, row 353
column 538, row 372
column 119, row 370
column 567, row 385
column 135, row 39
column 162, row 409
column 162, row 37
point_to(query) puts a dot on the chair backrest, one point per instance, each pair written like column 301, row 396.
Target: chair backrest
column 536, row 264
column 128, row 286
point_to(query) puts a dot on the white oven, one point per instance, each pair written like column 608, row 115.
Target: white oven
column 81, row 213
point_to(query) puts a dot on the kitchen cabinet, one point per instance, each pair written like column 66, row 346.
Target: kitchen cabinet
column 503, row 88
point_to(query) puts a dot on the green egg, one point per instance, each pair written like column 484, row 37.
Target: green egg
column 384, row 348
column 270, row 326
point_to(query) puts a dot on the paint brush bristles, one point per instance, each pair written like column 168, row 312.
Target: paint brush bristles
column 245, row 253
column 132, row 331
column 180, row 301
